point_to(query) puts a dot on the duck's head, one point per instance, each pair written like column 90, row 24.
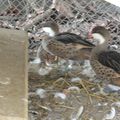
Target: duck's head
column 51, row 28
column 101, row 34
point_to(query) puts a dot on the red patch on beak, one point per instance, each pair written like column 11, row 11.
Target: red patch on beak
column 90, row 35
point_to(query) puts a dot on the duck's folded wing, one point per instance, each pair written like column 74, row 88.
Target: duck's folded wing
column 110, row 59
column 68, row 38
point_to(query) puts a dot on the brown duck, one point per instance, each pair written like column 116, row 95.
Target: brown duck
column 65, row 45
column 104, row 61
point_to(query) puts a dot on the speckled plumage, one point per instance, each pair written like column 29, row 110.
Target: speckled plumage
column 106, row 62
column 45, row 57
column 69, row 52
column 67, row 45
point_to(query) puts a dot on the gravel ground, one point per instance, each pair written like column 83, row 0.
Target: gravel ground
column 70, row 95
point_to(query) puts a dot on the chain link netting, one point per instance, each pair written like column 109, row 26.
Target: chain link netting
column 77, row 16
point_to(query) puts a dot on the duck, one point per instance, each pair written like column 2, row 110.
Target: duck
column 104, row 60
column 65, row 45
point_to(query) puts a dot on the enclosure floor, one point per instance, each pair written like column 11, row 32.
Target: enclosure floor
column 95, row 105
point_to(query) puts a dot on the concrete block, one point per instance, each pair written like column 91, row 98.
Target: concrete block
column 13, row 74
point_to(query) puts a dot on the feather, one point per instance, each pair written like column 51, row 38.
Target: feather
column 110, row 59
column 68, row 38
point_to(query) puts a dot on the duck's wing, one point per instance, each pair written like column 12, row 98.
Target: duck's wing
column 110, row 59
column 72, row 38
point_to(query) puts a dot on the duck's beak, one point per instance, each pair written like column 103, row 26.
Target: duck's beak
column 90, row 36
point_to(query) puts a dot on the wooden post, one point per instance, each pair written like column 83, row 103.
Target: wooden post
column 13, row 75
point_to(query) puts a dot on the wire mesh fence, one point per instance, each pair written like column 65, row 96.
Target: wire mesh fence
column 77, row 16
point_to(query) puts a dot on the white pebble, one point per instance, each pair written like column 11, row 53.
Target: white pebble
column 110, row 115
column 79, row 113
column 116, row 104
column 76, row 79
column 60, row 95
column 70, row 66
column 36, row 61
column 74, row 88
column 91, row 118
column 29, row 16
column 44, row 71
column 41, row 93
column 113, row 87
column 114, row 46
column 99, row 104
column 103, row 104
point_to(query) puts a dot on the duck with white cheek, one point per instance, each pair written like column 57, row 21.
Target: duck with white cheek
column 65, row 45
column 104, row 61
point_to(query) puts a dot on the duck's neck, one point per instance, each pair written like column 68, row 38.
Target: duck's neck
column 102, row 46
column 99, row 48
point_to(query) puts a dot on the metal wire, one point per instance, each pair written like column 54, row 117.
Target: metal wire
column 77, row 16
